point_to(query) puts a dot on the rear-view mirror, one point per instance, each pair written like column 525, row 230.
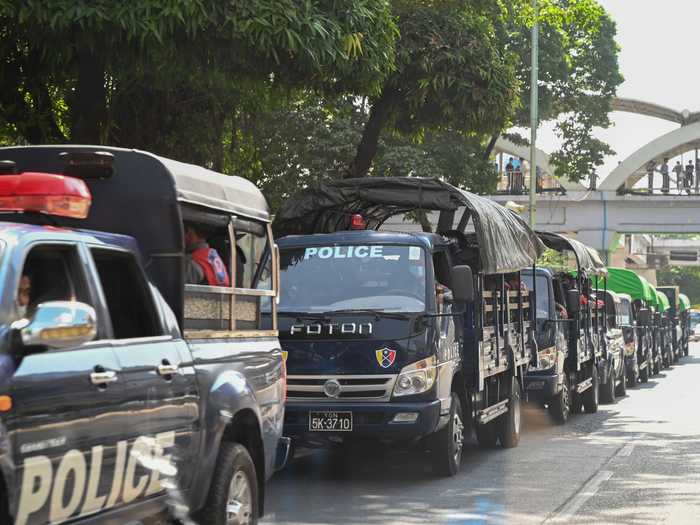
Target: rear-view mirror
column 57, row 324
column 573, row 301
column 462, row 284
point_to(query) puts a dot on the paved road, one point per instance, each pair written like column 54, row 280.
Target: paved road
column 637, row 461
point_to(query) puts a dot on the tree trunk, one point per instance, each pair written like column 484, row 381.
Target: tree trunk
column 424, row 221
column 89, row 103
column 378, row 117
column 491, row 145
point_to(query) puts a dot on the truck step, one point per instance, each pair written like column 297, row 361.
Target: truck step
column 584, row 385
column 644, row 365
column 492, row 412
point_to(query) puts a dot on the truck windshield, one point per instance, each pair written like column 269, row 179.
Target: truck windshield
column 542, row 292
column 389, row 278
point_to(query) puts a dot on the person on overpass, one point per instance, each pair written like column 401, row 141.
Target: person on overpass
column 678, row 172
column 650, row 167
column 509, row 174
column 665, row 179
column 688, row 181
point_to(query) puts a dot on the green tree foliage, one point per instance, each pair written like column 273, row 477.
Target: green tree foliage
column 167, row 75
column 686, row 277
column 579, row 75
column 451, row 74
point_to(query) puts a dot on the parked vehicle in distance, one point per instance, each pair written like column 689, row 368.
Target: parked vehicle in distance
column 694, row 320
column 628, row 324
column 685, row 323
column 614, row 348
column 409, row 338
column 643, row 295
column 664, row 329
column 119, row 378
column 672, row 293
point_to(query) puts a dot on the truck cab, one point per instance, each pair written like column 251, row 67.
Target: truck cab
column 125, row 391
column 410, row 338
column 547, row 381
column 615, row 383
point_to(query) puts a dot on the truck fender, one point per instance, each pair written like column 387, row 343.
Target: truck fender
column 8, row 470
column 230, row 394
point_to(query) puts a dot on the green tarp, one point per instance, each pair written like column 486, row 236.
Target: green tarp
column 621, row 280
column 663, row 303
column 685, row 302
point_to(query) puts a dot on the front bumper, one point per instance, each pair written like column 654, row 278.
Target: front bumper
column 370, row 421
column 542, row 385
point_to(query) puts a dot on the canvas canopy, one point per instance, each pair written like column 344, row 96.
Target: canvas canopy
column 583, row 254
column 504, row 240
column 685, row 302
column 663, row 303
column 625, row 281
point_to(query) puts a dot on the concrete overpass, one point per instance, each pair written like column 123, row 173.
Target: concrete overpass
column 596, row 217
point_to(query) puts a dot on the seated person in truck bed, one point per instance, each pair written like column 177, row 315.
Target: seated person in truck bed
column 204, row 265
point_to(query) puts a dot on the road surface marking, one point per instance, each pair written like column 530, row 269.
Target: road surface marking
column 575, row 503
column 626, row 450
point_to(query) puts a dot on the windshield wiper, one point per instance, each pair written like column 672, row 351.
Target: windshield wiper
column 375, row 312
column 303, row 315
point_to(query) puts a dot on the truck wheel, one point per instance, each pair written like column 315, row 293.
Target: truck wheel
column 560, row 405
column 486, row 435
column 448, row 443
column 607, row 390
column 621, row 389
column 590, row 396
column 233, row 496
column 644, row 373
column 509, row 423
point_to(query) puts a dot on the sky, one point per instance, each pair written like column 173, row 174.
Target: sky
column 658, row 40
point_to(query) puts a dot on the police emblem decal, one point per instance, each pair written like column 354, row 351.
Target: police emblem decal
column 385, row 357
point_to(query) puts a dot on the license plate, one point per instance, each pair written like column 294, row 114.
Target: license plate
column 330, row 421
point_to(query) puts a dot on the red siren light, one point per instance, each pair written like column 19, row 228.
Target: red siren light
column 46, row 193
column 357, row 222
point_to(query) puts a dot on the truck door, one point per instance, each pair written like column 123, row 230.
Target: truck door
column 68, row 415
column 158, row 376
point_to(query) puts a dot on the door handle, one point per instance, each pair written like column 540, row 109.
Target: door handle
column 167, row 370
column 103, row 378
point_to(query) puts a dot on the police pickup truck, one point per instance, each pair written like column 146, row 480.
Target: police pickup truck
column 125, row 392
column 413, row 338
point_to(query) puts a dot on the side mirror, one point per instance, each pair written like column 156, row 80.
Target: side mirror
column 573, row 301
column 644, row 316
column 462, row 284
column 57, row 324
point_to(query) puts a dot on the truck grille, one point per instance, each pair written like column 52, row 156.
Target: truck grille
column 356, row 388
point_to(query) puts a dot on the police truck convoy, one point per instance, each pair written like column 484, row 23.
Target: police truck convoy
column 140, row 367
column 410, row 338
column 119, row 379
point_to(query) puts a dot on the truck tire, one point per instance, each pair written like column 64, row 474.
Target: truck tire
column 644, row 373
column 607, row 389
column 509, row 423
column 590, row 396
column 448, row 443
column 233, row 495
column 560, row 405
column 621, row 389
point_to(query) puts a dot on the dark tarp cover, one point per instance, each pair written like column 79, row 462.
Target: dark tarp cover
column 142, row 199
column 685, row 302
column 622, row 280
column 506, row 243
column 584, row 255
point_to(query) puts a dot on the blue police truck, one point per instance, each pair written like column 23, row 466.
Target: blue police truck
column 403, row 337
column 124, row 391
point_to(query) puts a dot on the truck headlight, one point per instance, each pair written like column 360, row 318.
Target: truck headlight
column 416, row 378
column 546, row 358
